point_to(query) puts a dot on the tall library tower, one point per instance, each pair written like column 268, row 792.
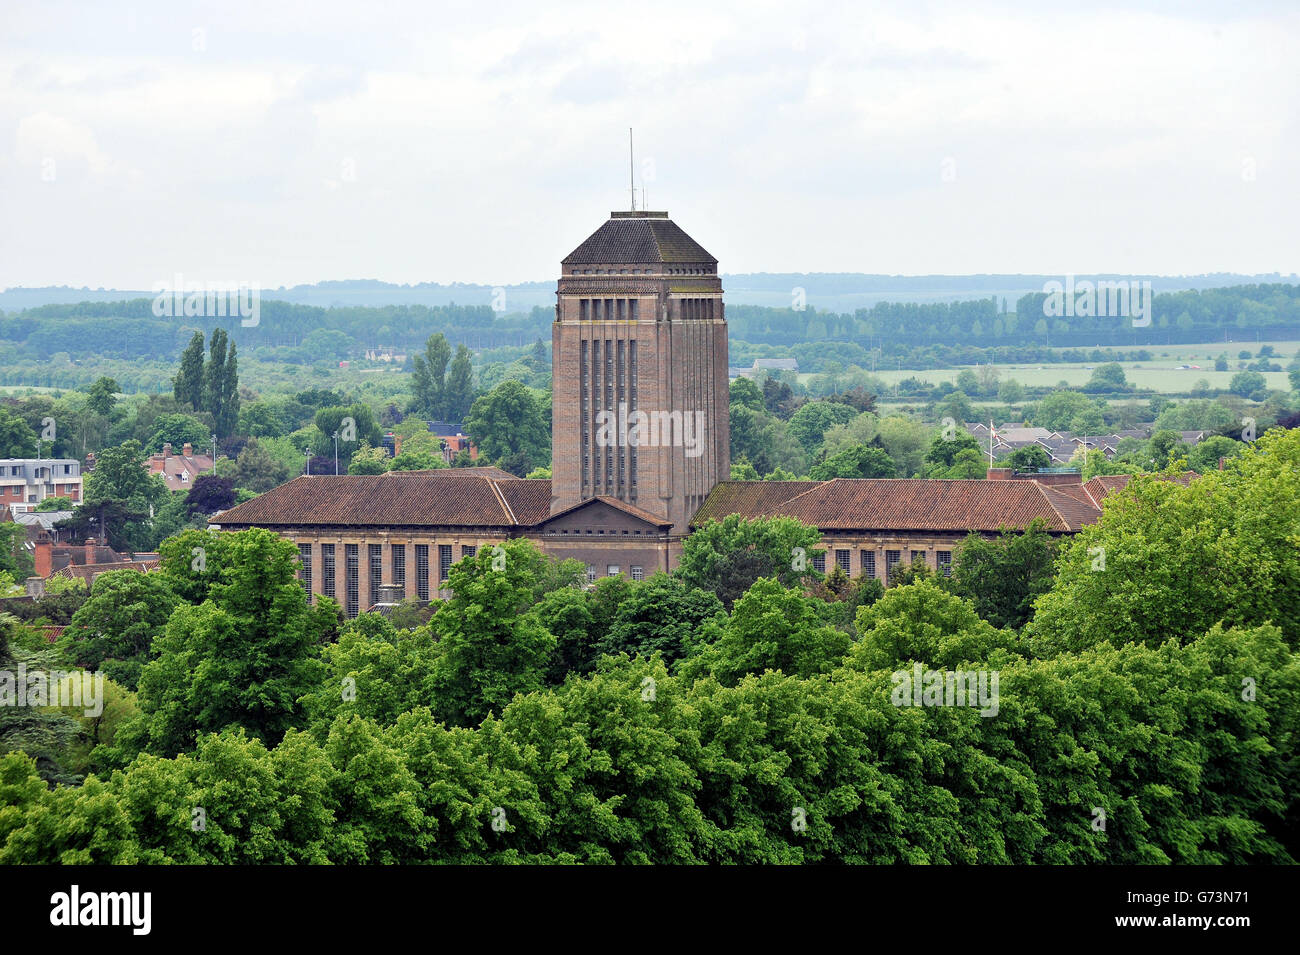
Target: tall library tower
column 639, row 371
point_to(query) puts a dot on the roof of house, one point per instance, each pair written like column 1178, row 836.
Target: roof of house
column 446, row 496
column 901, row 504
column 88, row 572
column 645, row 237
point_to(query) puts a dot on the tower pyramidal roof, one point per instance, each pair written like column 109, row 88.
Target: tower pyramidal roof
column 640, row 236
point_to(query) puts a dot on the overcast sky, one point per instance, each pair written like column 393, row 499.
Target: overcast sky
column 480, row 142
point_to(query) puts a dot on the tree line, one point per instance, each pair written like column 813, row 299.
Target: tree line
column 739, row 710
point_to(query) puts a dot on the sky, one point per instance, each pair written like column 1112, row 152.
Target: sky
column 276, row 143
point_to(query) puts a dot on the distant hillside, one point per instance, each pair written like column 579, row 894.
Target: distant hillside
column 843, row 292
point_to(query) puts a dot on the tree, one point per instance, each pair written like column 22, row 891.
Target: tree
column 906, row 439
column 492, row 648
column 726, row 557
column 215, row 380
column 1003, row 577
column 1168, row 561
column 416, row 461
column 178, row 430
column 1249, row 384
column 226, row 420
column 943, row 451
column 1059, row 409
column 1108, row 377
column 958, row 407
column 115, row 628
column 210, row 494
column 428, row 381
column 17, row 439
column 659, row 615
column 770, row 628
column 856, row 462
column 1205, row 455
column 460, row 386
column 242, row 658
column 369, row 461
column 362, row 428
column 745, row 393
column 509, row 424
column 810, row 423
column 188, row 383
column 1030, row 457
column 1011, row 392
column 256, row 470
column 102, row 396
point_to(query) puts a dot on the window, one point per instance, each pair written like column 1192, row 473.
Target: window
column 638, row 573
column 819, row 563
column 185, row 477
column 304, row 573
column 945, row 562
column 327, row 569
column 467, row 550
column 350, row 573
column 422, row 571
column 444, row 560
column 868, row 563
column 376, row 571
column 612, row 570
column 845, row 559
column 399, row 565
column 591, row 573
column 892, row 557
column 918, row 555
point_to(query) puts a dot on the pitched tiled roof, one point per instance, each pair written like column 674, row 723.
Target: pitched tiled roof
column 529, row 500
column 651, row 237
column 904, row 504
column 749, row 499
column 447, row 496
column 630, row 509
column 1105, row 484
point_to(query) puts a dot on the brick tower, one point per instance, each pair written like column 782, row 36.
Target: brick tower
column 639, row 373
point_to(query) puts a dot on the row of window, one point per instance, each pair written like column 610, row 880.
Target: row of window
column 351, row 576
column 608, row 309
column 607, row 381
column 867, row 561
column 16, row 470
column 641, row 272
column 613, row 570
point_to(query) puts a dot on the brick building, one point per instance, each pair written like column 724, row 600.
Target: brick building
column 640, row 456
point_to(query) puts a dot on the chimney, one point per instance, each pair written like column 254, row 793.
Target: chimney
column 188, row 450
column 91, row 544
column 43, row 555
column 999, row 474
column 167, row 449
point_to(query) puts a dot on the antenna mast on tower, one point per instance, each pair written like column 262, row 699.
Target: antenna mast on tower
column 631, row 169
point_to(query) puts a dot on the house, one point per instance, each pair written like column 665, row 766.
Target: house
column 25, row 482
column 180, row 470
column 84, row 562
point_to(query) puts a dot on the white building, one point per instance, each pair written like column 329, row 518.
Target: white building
column 25, row 482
